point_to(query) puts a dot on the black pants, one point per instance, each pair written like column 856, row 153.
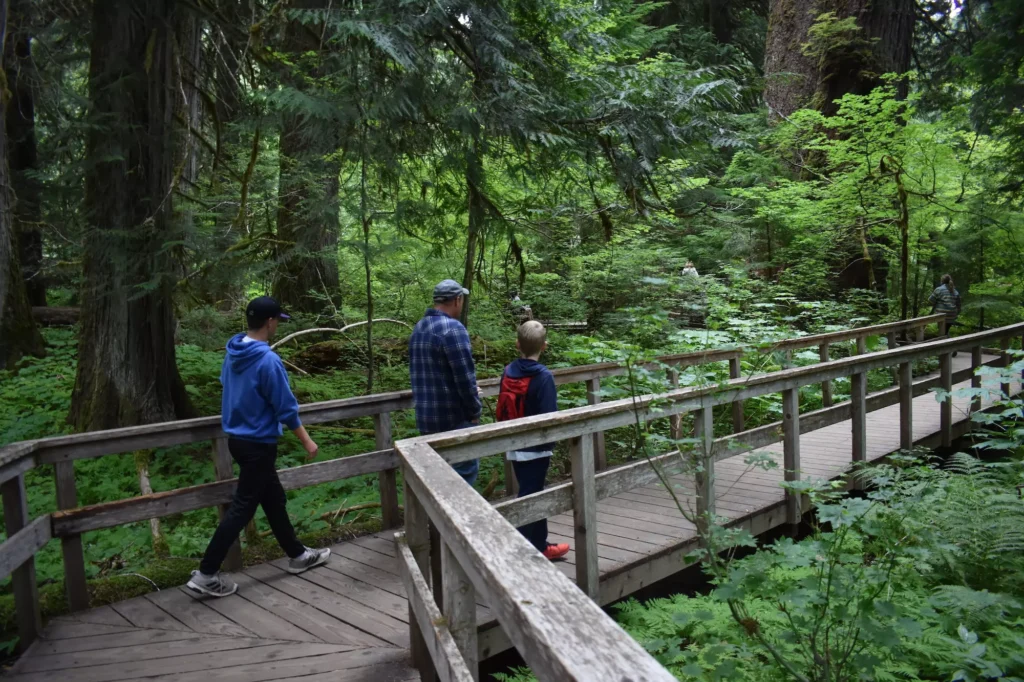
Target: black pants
column 531, row 477
column 258, row 485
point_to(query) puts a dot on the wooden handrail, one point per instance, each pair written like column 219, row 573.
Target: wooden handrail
column 549, row 621
column 165, row 434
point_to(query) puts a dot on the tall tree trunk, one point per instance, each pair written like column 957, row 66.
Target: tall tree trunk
column 477, row 214
column 801, row 71
column 18, row 332
column 307, row 216
column 127, row 372
column 364, row 217
column 22, row 156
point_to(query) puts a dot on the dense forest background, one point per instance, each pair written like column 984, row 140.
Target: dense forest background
column 822, row 163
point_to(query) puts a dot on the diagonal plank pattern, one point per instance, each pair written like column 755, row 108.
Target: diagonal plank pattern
column 347, row 621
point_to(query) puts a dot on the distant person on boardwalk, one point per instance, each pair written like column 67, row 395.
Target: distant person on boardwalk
column 946, row 299
column 256, row 402
column 527, row 389
column 689, row 270
column 441, row 370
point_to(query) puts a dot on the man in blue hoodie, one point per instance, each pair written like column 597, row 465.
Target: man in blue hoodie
column 528, row 389
column 256, row 401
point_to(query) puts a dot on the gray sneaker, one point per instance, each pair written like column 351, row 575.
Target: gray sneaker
column 309, row 559
column 215, row 586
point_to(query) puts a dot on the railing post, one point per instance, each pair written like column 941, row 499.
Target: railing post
column 460, row 609
column 942, row 327
column 862, row 345
column 787, row 358
column 890, row 342
column 225, row 472
column 23, row 578
column 906, row 406
column 737, row 405
column 946, row 407
column 71, row 545
column 511, row 483
column 594, row 398
column 826, row 386
column 858, row 416
column 976, row 360
column 920, row 333
column 704, row 430
column 387, row 480
column 584, row 511
column 417, row 535
column 1004, row 344
column 791, row 451
column 676, row 420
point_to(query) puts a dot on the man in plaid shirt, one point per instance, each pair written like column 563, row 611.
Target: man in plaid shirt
column 441, row 370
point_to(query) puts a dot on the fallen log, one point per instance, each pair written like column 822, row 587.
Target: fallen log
column 56, row 317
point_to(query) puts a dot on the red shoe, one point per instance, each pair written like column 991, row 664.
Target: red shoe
column 556, row 552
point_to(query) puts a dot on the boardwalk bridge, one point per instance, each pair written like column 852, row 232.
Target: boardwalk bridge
column 459, row 584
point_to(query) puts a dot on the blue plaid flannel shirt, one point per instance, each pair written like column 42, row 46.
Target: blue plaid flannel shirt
column 442, row 374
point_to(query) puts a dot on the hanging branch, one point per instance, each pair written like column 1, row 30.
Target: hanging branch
column 332, row 330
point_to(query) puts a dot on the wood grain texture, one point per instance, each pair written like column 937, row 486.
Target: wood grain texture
column 24, row 538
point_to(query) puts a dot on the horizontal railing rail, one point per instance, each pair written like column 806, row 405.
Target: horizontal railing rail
column 70, row 520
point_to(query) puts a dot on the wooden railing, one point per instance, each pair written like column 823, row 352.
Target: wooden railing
column 475, row 548
column 26, row 536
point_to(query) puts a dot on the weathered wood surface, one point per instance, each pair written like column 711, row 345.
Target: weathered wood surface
column 23, row 545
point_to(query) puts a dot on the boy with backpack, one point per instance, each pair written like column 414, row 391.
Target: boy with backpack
column 527, row 389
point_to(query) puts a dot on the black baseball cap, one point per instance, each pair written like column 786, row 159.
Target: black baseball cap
column 264, row 308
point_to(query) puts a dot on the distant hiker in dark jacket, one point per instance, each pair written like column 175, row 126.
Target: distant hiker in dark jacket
column 528, row 389
column 256, row 402
column 442, row 372
column 946, row 299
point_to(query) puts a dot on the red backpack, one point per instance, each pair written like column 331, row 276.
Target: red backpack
column 512, row 398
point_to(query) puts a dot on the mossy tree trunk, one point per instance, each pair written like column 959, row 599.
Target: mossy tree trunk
column 803, row 70
column 127, row 372
column 18, row 333
column 307, row 215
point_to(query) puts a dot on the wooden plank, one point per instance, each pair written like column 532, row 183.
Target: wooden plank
column 389, row 582
column 15, row 468
column 737, row 405
column 23, row 544
column 101, row 642
column 946, row 407
column 858, row 421
column 223, row 471
column 975, row 378
column 143, row 613
column 377, row 544
column 257, row 619
column 195, row 615
column 791, row 445
column 906, row 406
column 354, row 552
column 704, row 429
column 60, row 628
column 387, row 480
column 23, row 539
column 223, row 659
column 826, row 386
column 103, row 615
column 260, row 584
column 584, row 509
column 594, row 398
column 546, row 619
column 110, row 514
column 71, row 546
column 385, row 607
column 417, row 541
column 321, row 595
column 460, row 609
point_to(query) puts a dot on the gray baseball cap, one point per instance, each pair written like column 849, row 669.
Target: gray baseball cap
column 448, row 290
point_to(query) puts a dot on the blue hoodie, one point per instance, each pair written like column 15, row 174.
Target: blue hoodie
column 541, row 396
column 257, row 398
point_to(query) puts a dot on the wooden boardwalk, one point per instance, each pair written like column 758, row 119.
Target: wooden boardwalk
column 348, row 620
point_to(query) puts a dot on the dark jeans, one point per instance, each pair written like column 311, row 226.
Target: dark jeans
column 258, row 485
column 531, row 477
